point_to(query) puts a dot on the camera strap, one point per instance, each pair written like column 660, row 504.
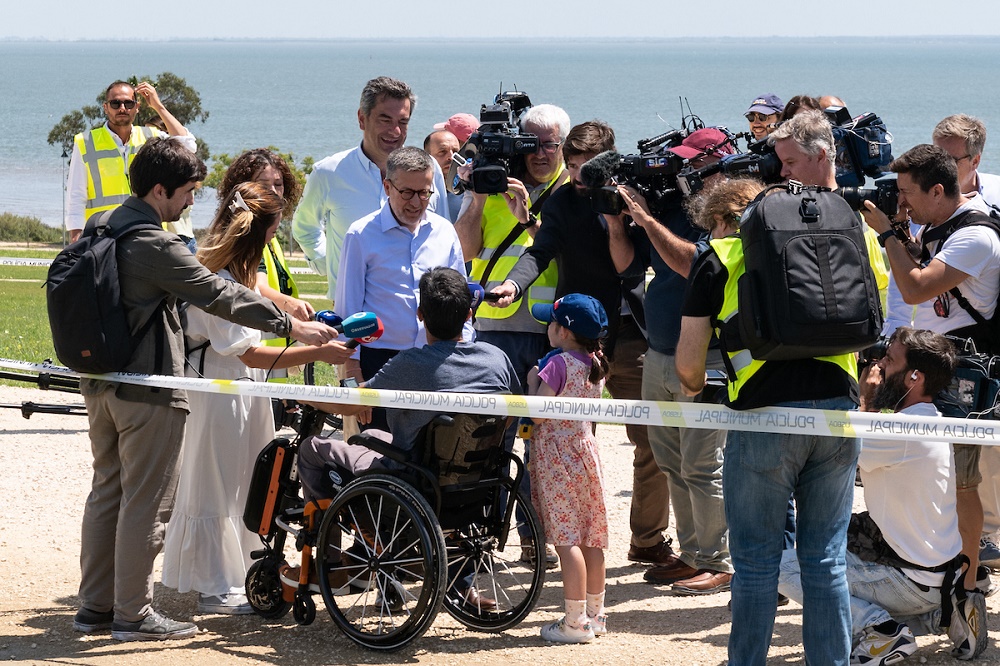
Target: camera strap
column 535, row 209
column 942, row 233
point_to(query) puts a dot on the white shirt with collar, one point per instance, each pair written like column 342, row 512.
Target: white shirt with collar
column 342, row 189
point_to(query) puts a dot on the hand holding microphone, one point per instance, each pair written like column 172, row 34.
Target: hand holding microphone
column 361, row 327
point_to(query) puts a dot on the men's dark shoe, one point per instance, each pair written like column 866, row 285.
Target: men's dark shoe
column 782, row 601
column 705, row 582
column 477, row 601
column 89, row 621
column 669, row 573
column 661, row 553
column 154, row 627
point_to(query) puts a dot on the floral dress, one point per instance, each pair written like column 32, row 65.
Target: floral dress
column 567, row 483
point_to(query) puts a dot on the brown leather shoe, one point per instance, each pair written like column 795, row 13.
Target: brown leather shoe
column 705, row 582
column 478, row 602
column 661, row 553
column 669, row 573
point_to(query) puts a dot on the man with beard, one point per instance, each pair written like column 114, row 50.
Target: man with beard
column 902, row 553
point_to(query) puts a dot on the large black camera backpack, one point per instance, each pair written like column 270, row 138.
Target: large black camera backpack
column 808, row 289
column 90, row 330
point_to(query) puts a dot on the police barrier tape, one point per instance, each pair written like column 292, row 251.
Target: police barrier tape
column 642, row 412
column 28, row 261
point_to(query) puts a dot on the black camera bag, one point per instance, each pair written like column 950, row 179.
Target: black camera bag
column 808, row 289
column 90, row 329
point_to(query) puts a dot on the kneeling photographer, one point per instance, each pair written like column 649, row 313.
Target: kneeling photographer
column 954, row 286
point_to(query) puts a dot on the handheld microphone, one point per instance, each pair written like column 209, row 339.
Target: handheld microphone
column 479, row 295
column 331, row 319
column 362, row 327
column 598, row 170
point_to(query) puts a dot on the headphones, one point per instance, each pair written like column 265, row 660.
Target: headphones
column 913, row 375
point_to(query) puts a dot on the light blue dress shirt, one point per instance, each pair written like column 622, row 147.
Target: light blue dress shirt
column 380, row 270
column 342, row 189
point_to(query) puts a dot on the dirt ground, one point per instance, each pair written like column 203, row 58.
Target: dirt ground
column 44, row 480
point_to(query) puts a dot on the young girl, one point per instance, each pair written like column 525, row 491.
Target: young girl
column 567, row 486
column 207, row 548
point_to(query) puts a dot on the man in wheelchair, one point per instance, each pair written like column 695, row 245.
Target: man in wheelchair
column 445, row 364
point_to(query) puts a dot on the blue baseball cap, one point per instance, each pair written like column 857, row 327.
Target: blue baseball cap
column 582, row 314
column 766, row 104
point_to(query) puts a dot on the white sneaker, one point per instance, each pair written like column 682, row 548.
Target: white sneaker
column 878, row 649
column 599, row 623
column 233, row 603
column 560, row 632
column 968, row 626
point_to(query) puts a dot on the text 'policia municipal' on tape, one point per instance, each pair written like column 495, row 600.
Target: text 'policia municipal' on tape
column 28, row 261
column 781, row 420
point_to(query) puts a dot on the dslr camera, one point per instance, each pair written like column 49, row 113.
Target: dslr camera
column 885, row 195
column 498, row 142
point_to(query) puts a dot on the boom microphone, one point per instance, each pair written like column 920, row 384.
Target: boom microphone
column 601, row 168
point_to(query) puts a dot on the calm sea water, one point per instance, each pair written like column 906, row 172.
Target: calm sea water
column 303, row 96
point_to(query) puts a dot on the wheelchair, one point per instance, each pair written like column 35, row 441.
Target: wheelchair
column 444, row 527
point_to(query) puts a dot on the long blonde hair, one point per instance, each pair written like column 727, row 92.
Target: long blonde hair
column 236, row 237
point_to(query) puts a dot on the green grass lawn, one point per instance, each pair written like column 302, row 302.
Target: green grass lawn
column 24, row 318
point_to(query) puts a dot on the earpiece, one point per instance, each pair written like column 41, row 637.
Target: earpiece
column 913, row 375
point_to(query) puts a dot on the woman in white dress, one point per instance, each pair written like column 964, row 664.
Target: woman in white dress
column 207, row 548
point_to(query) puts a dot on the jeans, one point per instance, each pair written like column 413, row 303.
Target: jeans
column 760, row 473
column 692, row 460
column 878, row 593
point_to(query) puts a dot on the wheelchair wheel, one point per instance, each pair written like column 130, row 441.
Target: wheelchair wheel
column 264, row 590
column 380, row 561
column 506, row 588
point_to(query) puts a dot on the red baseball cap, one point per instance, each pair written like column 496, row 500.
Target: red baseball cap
column 696, row 143
column 462, row 125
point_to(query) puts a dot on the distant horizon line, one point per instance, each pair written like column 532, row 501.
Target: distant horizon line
column 561, row 38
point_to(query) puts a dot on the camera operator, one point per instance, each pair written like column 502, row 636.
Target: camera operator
column 690, row 458
column 956, row 260
column 807, row 151
column 486, row 220
column 901, row 554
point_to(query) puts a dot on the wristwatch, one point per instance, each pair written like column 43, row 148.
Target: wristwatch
column 885, row 235
column 532, row 221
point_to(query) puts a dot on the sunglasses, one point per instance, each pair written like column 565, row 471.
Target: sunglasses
column 119, row 103
column 758, row 117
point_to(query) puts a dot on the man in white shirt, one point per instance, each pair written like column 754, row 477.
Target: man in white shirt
column 959, row 256
column 345, row 187
column 901, row 553
column 98, row 167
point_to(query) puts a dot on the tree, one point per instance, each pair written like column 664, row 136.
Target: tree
column 175, row 93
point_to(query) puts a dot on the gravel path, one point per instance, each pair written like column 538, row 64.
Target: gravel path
column 44, row 480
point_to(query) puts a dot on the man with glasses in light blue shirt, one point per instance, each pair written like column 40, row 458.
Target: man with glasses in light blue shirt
column 347, row 186
column 387, row 251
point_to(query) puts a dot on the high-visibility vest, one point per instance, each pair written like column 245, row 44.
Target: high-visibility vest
column 270, row 253
column 107, row 171
column 730, row 253
column 497, row 224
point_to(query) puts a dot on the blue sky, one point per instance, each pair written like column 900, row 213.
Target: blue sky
column 330, row 19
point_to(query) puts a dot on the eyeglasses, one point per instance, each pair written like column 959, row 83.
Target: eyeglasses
column 119, row 103
column 549, row 146
column 407, row 193
column 758, row 117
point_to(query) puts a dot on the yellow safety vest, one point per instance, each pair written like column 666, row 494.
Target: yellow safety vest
column 107, row 171
column 497, row 224
column 272, row 282
column 730, row 253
